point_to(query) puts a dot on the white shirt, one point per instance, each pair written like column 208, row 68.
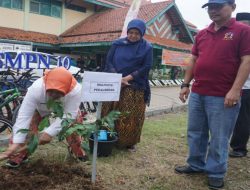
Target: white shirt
column 35, row 99
column 247, row 83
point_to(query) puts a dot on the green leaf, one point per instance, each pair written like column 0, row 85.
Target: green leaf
column 32, row 144
column 61, row 135
column 43, row 124
column 85, row 146
column 109, row 120
column 23, row 131
column 56, row 107
column 2, row 149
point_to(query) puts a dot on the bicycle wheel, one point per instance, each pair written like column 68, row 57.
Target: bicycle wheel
column 5, row 110
column 5, row 128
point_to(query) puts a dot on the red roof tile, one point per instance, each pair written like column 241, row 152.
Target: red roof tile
column 168, row 43
column 16, row 34
column 112, row 20
column 105, row 37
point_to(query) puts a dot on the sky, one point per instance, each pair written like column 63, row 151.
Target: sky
column 191, row 10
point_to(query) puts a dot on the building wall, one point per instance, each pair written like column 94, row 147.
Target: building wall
column 74, row 17
column 162, row 27
column 41, row 23
column 11, row 18
column 44, row 24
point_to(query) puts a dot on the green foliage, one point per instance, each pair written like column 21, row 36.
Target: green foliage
column 2, row 149
column 43, row 124
column 23, row 130
column 85, row 129
column 56, row 107
column 69, row 125
column 32, row 144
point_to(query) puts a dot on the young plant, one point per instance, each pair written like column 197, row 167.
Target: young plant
column 56, row 111
column 70, row 126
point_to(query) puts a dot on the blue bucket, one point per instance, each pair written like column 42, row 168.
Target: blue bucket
column 102, row 135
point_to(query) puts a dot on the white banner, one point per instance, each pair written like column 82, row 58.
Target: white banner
column 100, row 87
column 12, row 47
column 132, row 14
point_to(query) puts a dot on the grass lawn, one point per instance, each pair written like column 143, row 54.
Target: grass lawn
column 163, row 146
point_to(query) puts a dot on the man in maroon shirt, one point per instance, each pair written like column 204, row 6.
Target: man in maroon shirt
column 220, row 65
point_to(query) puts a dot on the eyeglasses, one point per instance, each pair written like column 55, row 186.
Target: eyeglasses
column 215, row 6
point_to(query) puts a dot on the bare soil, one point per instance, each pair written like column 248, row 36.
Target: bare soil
column 40, row 175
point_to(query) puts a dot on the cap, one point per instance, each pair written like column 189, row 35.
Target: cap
column 218, row 2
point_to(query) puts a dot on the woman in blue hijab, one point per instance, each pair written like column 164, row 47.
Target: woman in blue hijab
column 131, row 56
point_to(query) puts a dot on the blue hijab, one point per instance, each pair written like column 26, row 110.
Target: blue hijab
column 132, row 58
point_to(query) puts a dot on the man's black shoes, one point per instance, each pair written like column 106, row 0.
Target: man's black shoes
column 215, row 183
column 237, row 154
column 186, row 170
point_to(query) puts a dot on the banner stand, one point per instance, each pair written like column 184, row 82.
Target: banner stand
column 98, row 116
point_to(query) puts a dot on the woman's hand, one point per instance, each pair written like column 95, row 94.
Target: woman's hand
column 10, row 151
column 3, row 156
column 125, row 80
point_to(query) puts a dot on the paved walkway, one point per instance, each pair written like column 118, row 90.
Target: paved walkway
column 164, row 100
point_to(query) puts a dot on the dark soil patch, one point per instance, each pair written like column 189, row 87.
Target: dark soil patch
column 39, row 175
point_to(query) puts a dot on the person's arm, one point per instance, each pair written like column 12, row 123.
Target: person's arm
column 25, row 115
column 187, row 79
column 233, row 96
column 109, row 67
column 146, row 66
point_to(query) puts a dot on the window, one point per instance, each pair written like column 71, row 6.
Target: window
column 56, row 11
column 12, row 4
column 34, row 7
column 46, row 7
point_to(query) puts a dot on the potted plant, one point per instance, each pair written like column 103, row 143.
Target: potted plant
column 107, row 137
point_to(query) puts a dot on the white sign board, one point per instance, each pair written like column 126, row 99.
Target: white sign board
column 12, row 47
column 101, row 87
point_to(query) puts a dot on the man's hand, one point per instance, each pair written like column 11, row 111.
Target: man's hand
column 232, row 98
column 184, row 94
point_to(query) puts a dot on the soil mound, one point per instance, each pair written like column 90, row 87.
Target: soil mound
column 40, row 176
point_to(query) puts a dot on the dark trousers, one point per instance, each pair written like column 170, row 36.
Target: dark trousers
column 242, row 128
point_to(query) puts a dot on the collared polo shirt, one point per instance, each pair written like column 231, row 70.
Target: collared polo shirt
column 218, row 57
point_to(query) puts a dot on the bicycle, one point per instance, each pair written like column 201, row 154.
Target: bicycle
column 7, row 97
column 23, row 82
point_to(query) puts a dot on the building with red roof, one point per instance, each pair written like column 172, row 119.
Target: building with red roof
column 88, row 27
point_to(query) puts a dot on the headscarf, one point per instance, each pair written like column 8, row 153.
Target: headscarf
column 59, row 79
column 137, row 24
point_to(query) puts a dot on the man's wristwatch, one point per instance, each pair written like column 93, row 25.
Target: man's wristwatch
column 183, row 85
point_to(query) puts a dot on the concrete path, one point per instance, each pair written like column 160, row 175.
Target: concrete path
column 164, row 100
